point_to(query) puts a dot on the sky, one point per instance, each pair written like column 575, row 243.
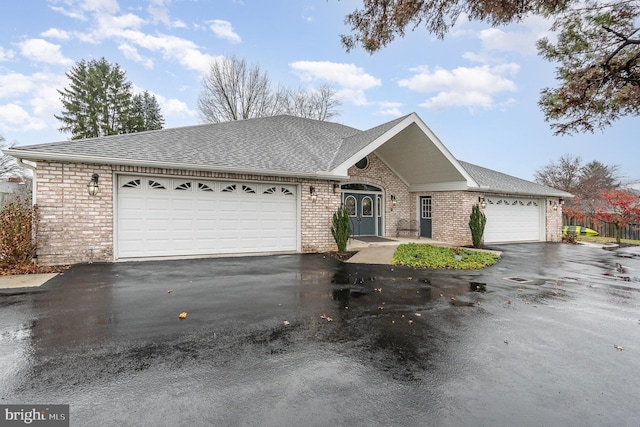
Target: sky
column 477, row 89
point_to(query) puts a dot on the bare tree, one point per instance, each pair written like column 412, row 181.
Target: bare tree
column 233, row 90
column 564, row 175
column 319, row 104
column 8, row 165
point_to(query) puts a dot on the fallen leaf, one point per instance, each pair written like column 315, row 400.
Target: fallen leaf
column 509, row 302
column 453, row 298
column 618, row 347
column 478, row 302
column 418, row 314
column 410, row 322
column 329, row 319
column 169, row 291
column 526, row 302
column 506, row 341
column 286, row 323
column 182, row 315
column 381, row 308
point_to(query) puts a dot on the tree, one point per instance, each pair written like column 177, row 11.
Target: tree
column 598, row 49
column 564, row 175
column 145, row 113
column 320, row 104
column 8, row 165
column 585, row 182
column 99, row 102
column 341, row 229
column 477, row 222
column 621, row 208
column 233, row 90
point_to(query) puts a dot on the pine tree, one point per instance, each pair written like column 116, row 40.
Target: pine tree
column 99, row 102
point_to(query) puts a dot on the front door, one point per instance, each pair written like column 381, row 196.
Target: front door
column 425, row 216
column 362, row 212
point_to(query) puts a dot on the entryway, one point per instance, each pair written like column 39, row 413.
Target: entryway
column 364, row 204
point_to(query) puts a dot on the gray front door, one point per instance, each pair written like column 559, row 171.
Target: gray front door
column 362, row 211
column 425, row 216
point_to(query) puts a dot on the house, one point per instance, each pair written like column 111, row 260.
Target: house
column 268, row 185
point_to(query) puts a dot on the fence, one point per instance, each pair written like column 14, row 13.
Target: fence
column 631, row 232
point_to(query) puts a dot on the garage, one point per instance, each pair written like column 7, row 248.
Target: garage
column 514, row 220
column 160, row 216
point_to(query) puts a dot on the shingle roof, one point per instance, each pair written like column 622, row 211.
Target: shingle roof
column 498, row 182
column 276, row 144
column 281, row 144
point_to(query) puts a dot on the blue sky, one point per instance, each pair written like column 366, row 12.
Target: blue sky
column 477, row 90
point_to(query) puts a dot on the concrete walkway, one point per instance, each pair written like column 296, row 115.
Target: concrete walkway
column 25, row 280
column 381, row 252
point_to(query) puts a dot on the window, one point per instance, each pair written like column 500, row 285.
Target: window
column 350, row 205
column 231, row 188
column 155, row 185
column 425, row 208
column 363, row 163
column 379, row 206
column 286, row 191
column 132, row 184
column 204, row 187
column 185, row 186
column 270, row 190
column 247, row 189
column 367, row 206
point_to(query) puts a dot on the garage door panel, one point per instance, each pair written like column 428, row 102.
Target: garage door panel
column 164, row 217
column 513, row 220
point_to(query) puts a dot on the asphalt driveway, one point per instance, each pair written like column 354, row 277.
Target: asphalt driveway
column 548, row 336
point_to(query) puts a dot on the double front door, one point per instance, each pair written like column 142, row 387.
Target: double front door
column 365, row 212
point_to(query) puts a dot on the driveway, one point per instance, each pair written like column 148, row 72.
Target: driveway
column 405, row 347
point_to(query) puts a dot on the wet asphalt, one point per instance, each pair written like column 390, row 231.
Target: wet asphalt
column 558, row 345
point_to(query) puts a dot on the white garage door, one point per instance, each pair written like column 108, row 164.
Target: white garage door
column 514, row 220
column 167, row 217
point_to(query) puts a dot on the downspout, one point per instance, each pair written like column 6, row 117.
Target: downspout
column 33, row 180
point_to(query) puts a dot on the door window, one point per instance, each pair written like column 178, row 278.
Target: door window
column 367, row 206
column 350, row 205
column 425, row 209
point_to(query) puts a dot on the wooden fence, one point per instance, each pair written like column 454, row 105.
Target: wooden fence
column 631, row 232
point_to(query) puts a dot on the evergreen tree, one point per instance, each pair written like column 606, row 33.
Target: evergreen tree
column 99, row 102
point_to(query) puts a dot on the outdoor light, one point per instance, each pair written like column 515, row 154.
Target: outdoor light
column 336, row 188
column 483, row 202
column 312, row 194
column 561, row 202
column 555, row 206
column 92, row 186
column 393, row 200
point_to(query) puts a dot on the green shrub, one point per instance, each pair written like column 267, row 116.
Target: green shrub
column 428, row 256
column 18, row 246
column 477, row 222
column 341, row 229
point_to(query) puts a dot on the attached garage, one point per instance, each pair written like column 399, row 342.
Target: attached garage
column 160, row 216
column 514, row 220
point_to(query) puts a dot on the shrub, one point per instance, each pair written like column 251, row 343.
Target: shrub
column 477, row 222
column 571, row 238
column 18, row 222
column 341, row 229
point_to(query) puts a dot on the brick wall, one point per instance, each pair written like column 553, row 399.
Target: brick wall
column 553, row 220
column 378, row 174
column 450, row 212
column 77, row 228
column 74, row 227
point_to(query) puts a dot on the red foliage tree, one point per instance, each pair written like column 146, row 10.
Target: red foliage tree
column 621, row 208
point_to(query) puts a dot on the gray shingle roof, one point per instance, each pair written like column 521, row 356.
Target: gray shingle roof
column 498, row 182
column 281, row 144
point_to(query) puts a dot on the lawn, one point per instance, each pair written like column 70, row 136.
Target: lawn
column 600, row 239
column 429, row 256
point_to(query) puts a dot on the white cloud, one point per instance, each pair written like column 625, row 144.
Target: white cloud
column 6, row 55
column 224, row 30
column 40, row 50
column 463, row 86
column 351, row 81
column 131, row 53
column 15, row 117
column 389, row 109
column 56, row 33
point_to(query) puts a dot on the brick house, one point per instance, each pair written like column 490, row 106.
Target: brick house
column 269, row 185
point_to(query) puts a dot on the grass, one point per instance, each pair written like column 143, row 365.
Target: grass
column 600, row 239
column 429, row 256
